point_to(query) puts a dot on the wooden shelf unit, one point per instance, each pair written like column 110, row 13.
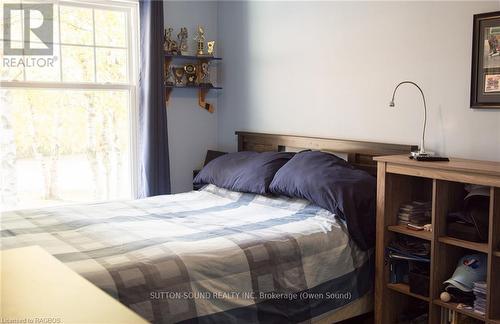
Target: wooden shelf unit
column 400, row 180
column 203, row 89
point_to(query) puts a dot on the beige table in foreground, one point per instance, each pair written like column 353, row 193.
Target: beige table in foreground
column 34, row 285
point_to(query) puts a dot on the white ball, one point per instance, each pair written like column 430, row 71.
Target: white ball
column 445, row 296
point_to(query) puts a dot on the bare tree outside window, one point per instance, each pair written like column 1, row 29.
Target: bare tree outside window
column 65, row 129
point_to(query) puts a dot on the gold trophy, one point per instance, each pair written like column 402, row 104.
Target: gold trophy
column 200, row 40
column 169, row 45
column 167, row 75
column 190, row 70
column 182, row 36
column 204, row 74
column 210, row 48
column 165, row 40
column 178, row 75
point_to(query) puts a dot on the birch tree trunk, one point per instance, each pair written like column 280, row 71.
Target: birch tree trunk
column 54, row 156
column 37, row 149
column 92, row 144
column 117, row 150
column 105, row 150
column 8, row 153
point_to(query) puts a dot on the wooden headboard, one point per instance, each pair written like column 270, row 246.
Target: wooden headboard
column 360, row 154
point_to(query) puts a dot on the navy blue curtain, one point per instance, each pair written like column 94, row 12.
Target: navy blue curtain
column 153, row 138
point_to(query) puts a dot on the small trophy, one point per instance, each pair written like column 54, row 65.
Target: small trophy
column 168, row 75
column 178, row 75
column 200, row 40
column 169, row 45
column 204, row 75
column 190, row 70
column 210, row 48
column 165, row 40
column 182, row 37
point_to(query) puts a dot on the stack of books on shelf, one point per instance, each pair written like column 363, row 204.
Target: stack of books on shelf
column 479, row 297
column 415, row 214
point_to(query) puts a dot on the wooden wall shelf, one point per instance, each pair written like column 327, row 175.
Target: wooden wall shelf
column 400, row 180
column 202, row 89
column 193, row 87
column 193, row 57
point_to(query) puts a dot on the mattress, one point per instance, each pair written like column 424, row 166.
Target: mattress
column 212, row 255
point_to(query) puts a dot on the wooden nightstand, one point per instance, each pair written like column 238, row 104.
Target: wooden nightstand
column 35, row 285
column 401, row 180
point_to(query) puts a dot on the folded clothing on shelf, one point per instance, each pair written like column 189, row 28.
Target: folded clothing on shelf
column 408, row 255
column 411, row 246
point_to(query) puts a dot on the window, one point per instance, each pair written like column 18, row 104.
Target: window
column 68, row 119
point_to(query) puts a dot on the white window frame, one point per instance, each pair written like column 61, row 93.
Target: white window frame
column 132, row 8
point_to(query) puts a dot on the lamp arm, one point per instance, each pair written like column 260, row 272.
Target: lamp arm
column 422, row 141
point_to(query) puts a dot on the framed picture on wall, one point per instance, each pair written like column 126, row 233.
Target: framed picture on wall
column 485, row 80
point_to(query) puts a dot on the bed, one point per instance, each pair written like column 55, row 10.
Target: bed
column 215, row 255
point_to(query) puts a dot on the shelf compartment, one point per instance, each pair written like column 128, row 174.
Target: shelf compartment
column 495, row 221
column 480, row 247
column 425, row 235
column 453, row 306
column 405, row 289
column 450, row 198
column 494, row 287
column 404, row 189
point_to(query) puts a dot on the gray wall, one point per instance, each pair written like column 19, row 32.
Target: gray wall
column 328, row 69
column 191, row 130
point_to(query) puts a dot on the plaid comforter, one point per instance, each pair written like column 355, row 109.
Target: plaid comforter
column 210, row 256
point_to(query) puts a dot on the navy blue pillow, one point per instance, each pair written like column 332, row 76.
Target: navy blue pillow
column 243, row 171
column 331, row 183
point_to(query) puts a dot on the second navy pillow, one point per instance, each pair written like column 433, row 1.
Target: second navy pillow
column 330, row 182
